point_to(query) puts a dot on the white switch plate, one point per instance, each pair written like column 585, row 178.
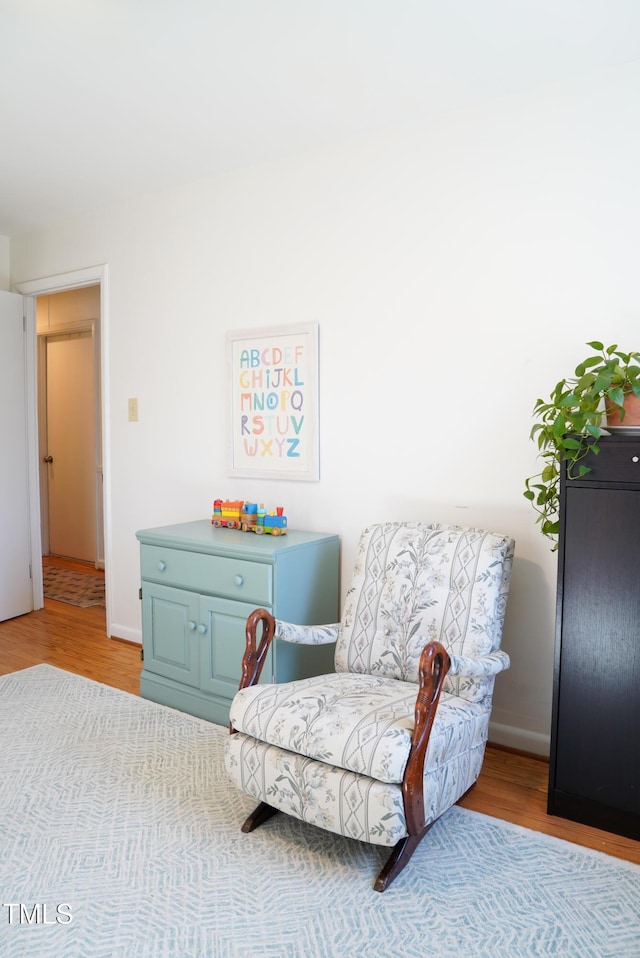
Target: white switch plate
column 133, row 410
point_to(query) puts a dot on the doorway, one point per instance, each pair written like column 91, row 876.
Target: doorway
column 69, row 403
column 97, row 275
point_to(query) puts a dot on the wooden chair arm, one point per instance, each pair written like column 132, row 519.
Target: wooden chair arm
column 432, row 670
column 253, row 658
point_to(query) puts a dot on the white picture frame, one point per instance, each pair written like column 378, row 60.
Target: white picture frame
column 272, row 380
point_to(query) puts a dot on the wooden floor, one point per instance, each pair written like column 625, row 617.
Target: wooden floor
column 512, row 786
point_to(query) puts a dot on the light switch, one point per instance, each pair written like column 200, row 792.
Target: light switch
column 133, row 410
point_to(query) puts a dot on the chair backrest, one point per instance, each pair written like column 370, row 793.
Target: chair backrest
column 416, row 582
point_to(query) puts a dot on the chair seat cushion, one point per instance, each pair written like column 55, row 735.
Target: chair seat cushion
column 341, row 801
column 361, row 723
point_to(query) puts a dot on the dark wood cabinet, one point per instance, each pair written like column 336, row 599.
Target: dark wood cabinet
column 594, row 771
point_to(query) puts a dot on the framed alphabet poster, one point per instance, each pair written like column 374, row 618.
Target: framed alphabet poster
column 273, row 392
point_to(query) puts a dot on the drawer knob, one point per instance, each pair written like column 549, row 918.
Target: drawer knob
column 192, row 625
column 202, row 629
column 635, row 459
column 238, row 580
column 162, row 565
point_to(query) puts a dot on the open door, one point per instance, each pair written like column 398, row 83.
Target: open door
column 16, row 590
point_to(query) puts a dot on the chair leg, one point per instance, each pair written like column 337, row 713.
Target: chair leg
column 398, row 858
column 259, row 816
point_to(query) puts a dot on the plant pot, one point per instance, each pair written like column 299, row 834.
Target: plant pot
column 631, row 412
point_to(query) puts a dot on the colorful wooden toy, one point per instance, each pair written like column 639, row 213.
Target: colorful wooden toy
column 248, row 517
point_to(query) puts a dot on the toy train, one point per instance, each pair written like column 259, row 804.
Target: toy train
column 248, row 517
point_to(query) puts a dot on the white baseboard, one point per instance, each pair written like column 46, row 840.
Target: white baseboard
column 520, row 738
column 124, row 632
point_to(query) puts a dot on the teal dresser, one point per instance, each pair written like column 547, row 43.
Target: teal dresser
column 199, row 584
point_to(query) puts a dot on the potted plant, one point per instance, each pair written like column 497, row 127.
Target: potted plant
column 570, row 423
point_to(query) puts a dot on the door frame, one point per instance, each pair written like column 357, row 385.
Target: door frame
column 89, row 276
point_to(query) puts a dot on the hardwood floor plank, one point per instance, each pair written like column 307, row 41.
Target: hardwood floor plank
column 512, row 786
column 73, row 639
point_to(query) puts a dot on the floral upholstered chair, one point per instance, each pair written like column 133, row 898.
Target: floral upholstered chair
column 381, row 748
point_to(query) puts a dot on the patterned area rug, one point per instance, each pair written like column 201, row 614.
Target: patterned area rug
column 75, row 588
column 121, row 839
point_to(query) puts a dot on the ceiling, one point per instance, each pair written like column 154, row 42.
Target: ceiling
column 106, row 99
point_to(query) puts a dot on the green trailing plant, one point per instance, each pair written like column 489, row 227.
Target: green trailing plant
column 569, row 424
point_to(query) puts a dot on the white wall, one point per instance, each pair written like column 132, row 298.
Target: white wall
column 456, row 271
column 72, row 308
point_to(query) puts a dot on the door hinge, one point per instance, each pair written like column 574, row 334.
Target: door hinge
column 142, row 655
column 140, row 592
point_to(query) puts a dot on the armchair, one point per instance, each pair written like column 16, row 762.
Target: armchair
column 381, row 748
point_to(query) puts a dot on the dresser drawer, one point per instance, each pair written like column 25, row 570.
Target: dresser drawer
column 617, row 461
column 214, row 575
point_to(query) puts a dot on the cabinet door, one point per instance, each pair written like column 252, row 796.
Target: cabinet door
column 223, row 645
column 171, row 641
column 598, row 724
